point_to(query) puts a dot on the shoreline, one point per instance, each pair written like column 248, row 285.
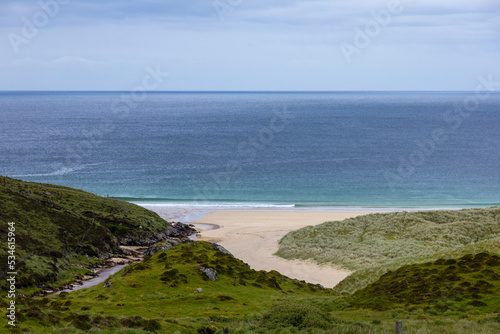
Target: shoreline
column 207, row 222
column 253, row 237
column 180, row 211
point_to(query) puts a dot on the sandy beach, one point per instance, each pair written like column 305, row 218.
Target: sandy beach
column 253, row 236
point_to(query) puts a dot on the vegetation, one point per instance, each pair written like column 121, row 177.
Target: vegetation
column 472, row 281
column 168, row 290
column 373, row 244
column 437, row 271
column 62, row 231
column 167, row 293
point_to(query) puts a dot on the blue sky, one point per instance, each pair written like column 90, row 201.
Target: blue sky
column 249, row 44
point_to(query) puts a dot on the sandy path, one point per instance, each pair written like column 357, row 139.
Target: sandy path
column 253, row 236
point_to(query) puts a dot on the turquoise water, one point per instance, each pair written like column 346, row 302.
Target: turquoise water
column 360, row 149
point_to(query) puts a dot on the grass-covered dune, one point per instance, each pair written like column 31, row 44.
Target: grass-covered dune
column 372, row 244
column 56, row 228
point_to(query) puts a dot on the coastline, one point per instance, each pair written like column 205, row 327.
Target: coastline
column 252, row 234
column 253, row 237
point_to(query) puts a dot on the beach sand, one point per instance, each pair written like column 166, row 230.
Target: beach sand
column 253, row 236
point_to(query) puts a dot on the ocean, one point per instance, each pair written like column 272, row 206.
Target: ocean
column 264, row 150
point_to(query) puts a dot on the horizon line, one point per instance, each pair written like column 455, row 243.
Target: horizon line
column 240, row 91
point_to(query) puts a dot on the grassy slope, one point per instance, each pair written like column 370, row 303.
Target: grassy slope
column 162, row 288
column 159, row 295
column 56, row 226
column 472, row 281
column 375, row 243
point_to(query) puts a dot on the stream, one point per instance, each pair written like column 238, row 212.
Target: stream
column 104, row 274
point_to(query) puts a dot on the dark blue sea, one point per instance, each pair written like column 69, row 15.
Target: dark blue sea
column 337, row 150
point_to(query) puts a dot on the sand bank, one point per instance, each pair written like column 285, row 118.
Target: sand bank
column 253, row 236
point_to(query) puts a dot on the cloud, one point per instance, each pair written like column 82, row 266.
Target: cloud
column 258, row 11
column 279, row 44
column 88, row 11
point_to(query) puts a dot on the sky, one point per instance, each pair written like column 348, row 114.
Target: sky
column 248, row 45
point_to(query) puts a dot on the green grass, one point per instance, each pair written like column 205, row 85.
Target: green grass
column 470, row 282
column 372, row 244
column 436, row 271
column 159, row 295
column 163, row 289
column 56, row 225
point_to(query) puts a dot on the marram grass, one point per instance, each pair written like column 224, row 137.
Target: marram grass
column 372, row 244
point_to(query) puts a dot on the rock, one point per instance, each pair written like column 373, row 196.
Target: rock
column 200, row 290
column 173, row 230
column 108, row 284
column 180, row 230
column 222, row 249
column 210, row 272
column 126, row 252
column 160, row 247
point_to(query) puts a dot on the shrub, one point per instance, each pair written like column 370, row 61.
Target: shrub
column 298, row 315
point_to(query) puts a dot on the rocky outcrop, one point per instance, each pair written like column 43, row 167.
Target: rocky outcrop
column 180, row 230
column 174, row 230
column 161, row 246
column 222, row 249
column 210, row 272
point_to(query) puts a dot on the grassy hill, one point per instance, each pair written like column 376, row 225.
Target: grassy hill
column 171, row 292
column 375, row 243
column 60, row 231
column 437, row 271
column 472, row 281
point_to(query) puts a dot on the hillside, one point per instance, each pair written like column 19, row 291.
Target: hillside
column 470, row 282
column 198, row 288
column 193, row 286
column 437, row 271
column 60, row 231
